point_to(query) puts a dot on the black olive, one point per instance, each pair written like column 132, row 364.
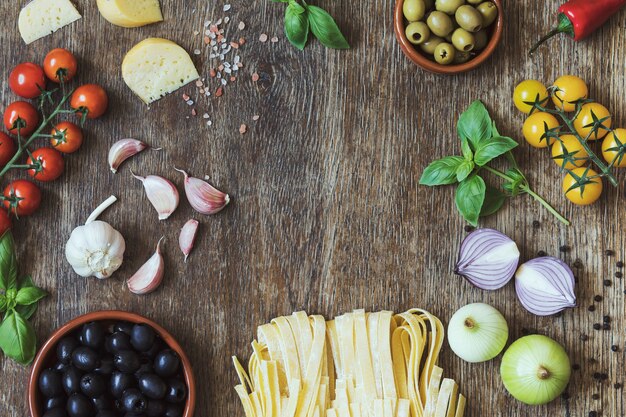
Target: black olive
column 134, row 401
column 71, row 380
column 156, row 408
column 106, row 413
column 93, row 335
column 142, row 337
column 152, row 386
column 157, row 346
column 120, row 382
column 56, row 402
column 92, row 385
column 85, row 359
column 176, row 391
column 79, row 406
column 145, row 368
column 166, row 363
column 55, row 412
column 127, row 361
column 118, row 341
column 103, row 402
column 173, row 410
column 50, row 383
column 65, row 348
column 106, row 366
column 124, row 327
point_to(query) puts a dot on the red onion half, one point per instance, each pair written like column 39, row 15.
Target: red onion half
column 545, row 286
column 488, row 259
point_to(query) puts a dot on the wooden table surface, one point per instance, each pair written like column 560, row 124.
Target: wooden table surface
column 327, row 214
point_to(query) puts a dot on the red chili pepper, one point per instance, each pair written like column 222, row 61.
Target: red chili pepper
column 580, row 18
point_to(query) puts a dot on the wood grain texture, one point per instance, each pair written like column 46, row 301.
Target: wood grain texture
column 327, row 214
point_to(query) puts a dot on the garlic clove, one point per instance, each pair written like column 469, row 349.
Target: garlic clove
column 122, row 150
column 202, row 196
column 150, row 275
column 162, row 194
column 187, row 237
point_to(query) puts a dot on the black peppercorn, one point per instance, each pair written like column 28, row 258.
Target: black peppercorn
column 614, row 348
column 584, row 337
column 595, row 396
column 606, row 326
column 606, row 319
column 564, row 248
column 618, row 274
column 597, row 326
column 619, row 264
column 593, row 414
column 609, row 252
column 617, row 385
column 597, row 298
column 607, row 282
column 591, row 308
column 604, row 377
column 469, row 229
column 541, row 253
column 597, row 375
column 536, row 224
column 578, row 263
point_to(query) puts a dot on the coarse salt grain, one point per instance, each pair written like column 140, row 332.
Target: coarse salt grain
column 205, row 115
column 234, row 45
column 227, row 7
column 274, row 39
column 198, row 83
column 185, row 97
column 196, row 51
column 241, row 26
column 190, row 102
column 243, row 129
column 263, row 37
column 226, row 19
column 255, row 117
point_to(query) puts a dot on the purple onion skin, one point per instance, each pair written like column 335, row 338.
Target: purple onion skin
column 559, row 275
column 486, row 276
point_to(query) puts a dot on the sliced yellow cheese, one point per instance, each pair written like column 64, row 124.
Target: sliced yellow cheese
column 130, row 13
column 40, row 18
column 156, row 67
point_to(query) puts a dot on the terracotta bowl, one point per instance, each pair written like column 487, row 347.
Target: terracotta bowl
column 47, row 355
column 420, row 59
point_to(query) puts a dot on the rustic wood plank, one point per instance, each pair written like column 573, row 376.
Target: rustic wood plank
column 327, row 214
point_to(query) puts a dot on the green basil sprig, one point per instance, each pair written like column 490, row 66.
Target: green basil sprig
column 302, row 19
column 18, row 302
column 481, row 143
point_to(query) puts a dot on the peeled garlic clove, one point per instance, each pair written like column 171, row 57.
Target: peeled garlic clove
column 162, row 194
column 150, row 275
column 487, row 259
column 202, row 196
column 545, row 286
column 187, row 237
column 122, row 150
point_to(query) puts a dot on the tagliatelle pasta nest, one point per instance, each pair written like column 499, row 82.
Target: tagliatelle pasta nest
column 358, row 365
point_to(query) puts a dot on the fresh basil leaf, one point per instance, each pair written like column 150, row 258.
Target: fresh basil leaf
column 29, row 295
column 325, row 28
column 463, row 170
column 8, row 262
column 296, row 26
column 491, row 148
column 494, row 199
column 17, row 338
column 27, row 311
column 467, row 150
column 296, row 7
column 474, row 124
column 469, row 199
column 3, row 303
column 441, row 171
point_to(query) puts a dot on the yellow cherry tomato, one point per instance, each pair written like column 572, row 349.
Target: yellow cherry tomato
column 589, row 190
column 611, row 146
column 568, row 153
column 529, row 91
column 583, row 123
column 569, row 89
column 535, row 128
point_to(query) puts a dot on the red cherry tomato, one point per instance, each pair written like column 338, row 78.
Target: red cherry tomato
column 22, row 198
column 91, row 98
column 60, row 64
column 5, row 222
column 27, row 114
column 66, row 137
column 7, row 149
column 27, row 80
column 49, row 164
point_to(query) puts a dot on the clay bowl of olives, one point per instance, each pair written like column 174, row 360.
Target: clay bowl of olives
column 111, row 364
column 448, row 36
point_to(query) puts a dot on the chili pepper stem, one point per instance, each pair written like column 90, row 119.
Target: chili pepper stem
column 564, row 26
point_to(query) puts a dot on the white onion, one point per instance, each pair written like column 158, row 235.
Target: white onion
column 545, row 286
column 487, row 259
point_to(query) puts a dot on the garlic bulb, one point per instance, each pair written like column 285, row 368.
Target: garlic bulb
column 96, row 249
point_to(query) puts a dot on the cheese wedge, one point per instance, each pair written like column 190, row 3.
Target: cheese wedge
column 156, row 67
column 40, row 18
column 130, row 13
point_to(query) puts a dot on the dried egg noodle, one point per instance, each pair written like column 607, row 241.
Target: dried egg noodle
column 358, row 365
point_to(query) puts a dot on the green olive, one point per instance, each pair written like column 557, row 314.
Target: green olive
column 413, row 10
column 468, row 18
column 461, row 57
column 480, row 40
column 463, row 40
column 475, row 1
column 439, row 23
column 489, row 12
column 448, row 6
column 417, row 32
column 430, row 45
column 444, row 53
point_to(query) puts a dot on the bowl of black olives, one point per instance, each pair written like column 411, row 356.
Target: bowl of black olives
column 111, row 364
column 448, row 36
